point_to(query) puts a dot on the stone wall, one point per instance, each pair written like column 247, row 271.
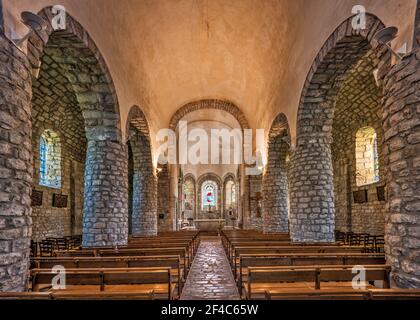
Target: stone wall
column 312, row 212
column 130, row 187
column 105, row 219
column 357, row 106
column 312, row 216
column 55, row 108
column 275, row 188
column 15, row 166
column 144, row 216
column 401, row 152
column 49, row 221
column 163, row 196
column 253, row 203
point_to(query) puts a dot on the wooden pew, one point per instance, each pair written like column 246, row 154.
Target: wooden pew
column 261, row 279
column 344, row 294
column 181, row 251
column 138, row 280
column 269, row 244
column 273, row 260
column 60, row 295
column 255, row 236
column 173, row 262
column 310, row 294
column 152, row 245
column 289, row 250
column 191, row 236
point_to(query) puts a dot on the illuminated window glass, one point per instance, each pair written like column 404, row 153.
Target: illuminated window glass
column 209, row 195
column 367, row 162
column 50, row 160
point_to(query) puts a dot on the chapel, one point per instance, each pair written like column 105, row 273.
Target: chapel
column 209, row 149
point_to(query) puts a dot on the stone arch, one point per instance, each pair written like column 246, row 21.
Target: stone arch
column 75, row 52
column 224, row 105
column 144, row 178
column 275, row 177
column 68, row 67
column 137, row 119
column 201, row 179
column 311, row 188
column 216, row 104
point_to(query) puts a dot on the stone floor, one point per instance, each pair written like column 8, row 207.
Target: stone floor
column 210, row 277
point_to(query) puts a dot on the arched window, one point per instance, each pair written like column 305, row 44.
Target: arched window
column 230, row 194
column 209, row 195
column 50, row 160
column 367, row 162
column 189, row 199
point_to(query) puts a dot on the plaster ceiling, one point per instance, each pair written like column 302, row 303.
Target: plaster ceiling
column 163, row 54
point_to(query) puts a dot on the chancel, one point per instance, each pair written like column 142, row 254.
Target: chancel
column 216, row 150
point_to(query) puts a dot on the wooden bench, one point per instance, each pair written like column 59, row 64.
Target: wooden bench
column 234, row 260
column 344, row 294
column 137, row 280
column 261, row 279
column 272, row 260
column 63, row 295
column 271, row 244
column 181, row 251
column 173, row 262
column 151, row 245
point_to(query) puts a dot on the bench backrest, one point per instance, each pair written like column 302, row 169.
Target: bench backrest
column 310, row 259
column 103, row 277
column 107, row 262
column 63, row 295
column 315, row 274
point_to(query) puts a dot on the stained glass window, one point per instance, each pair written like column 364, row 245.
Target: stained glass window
column 209, row 195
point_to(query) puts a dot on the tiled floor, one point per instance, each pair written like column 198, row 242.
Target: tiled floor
column 210, row 277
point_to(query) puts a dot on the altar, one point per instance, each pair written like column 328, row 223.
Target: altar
column 209, row 224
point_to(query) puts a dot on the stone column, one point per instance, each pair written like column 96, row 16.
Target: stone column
column 401, row 151
column 15, row 167
column 275, row 191
column 311, row 190
column 163, row 198
column 253, row 197
column 105, row 218
column 144, row 221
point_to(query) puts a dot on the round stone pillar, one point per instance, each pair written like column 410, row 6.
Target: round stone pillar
column 311, row 191
column 15, row 167
column 401, row 151
column 275, row 191
column 144, row 222
column 105, row 217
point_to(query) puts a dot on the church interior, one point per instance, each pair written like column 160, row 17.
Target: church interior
column 210, row 149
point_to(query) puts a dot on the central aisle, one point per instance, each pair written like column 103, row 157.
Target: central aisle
column 210, row 277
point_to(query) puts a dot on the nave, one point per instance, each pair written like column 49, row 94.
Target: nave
column 192, row 265
column 223, row 149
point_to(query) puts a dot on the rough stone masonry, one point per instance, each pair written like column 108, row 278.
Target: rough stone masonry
column 15, row 166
